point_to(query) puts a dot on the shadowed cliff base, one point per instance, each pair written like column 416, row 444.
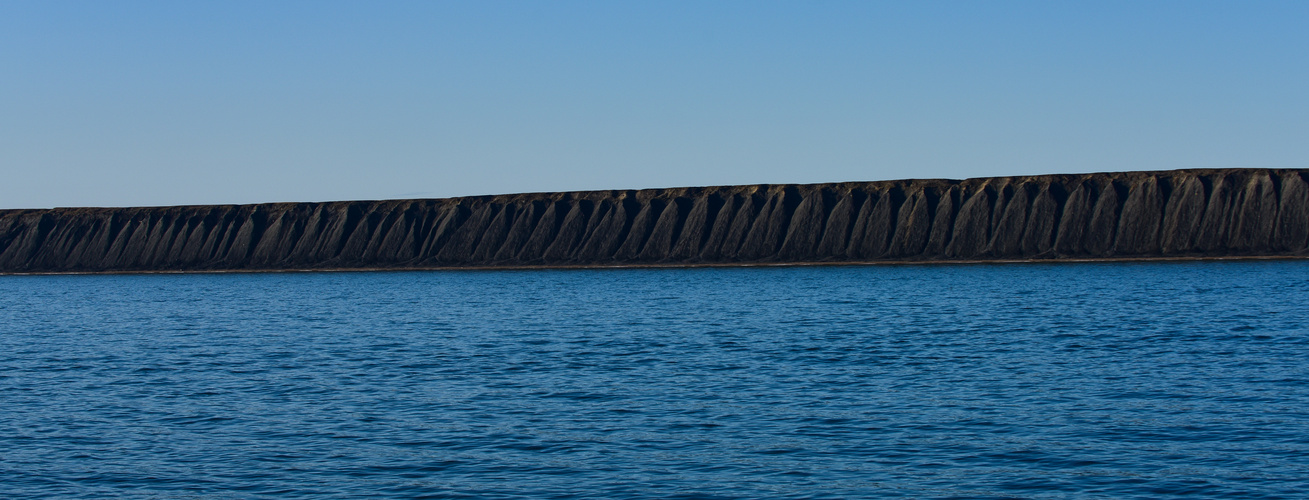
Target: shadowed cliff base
column 1183, row 214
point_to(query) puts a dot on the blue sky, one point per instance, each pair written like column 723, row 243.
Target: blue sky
column 163, row 103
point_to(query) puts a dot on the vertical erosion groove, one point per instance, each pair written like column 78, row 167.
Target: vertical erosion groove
column 875, row 225
column 942, row 223
column 547, row 228
column 366, row 218
column 1292, row 233
column 516, row 238
column 840, row 223
column 696, row 228
column 602, row 238
column 1099, row 239
column 912, row 225
column 972, row 225
column 463, row 241
column 1007, row 241
column 1213, row 226
column 398, row 235
column 1039, row 232
column 496, row 232
column 302, row 249
column 805, row 229
column 748, row 207
column 758, row 241
column 1138, row 227
column 779, row 221
column 641, row 226
column 1255, row 216
column 659, row 244
column 1071, row 235
column 712, row 248
column 447, row 219
column 1182, row 216
column 570, row 232
column 1257, row 212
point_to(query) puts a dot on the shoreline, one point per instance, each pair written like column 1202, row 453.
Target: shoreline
column 582, row 267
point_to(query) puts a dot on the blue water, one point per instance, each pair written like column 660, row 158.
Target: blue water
column 1141, row 380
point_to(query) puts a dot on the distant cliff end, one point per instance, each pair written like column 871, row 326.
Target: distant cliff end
column 1183, row 213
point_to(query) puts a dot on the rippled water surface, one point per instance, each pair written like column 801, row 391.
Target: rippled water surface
column 982, row 381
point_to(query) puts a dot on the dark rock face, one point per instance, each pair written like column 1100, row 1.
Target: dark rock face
column 1184, row 213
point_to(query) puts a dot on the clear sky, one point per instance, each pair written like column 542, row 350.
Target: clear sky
column 197, row 102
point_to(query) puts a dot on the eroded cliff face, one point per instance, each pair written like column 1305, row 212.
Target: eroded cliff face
column 1201, row 213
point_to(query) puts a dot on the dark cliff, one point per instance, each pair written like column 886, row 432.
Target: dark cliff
column 1184, row 213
